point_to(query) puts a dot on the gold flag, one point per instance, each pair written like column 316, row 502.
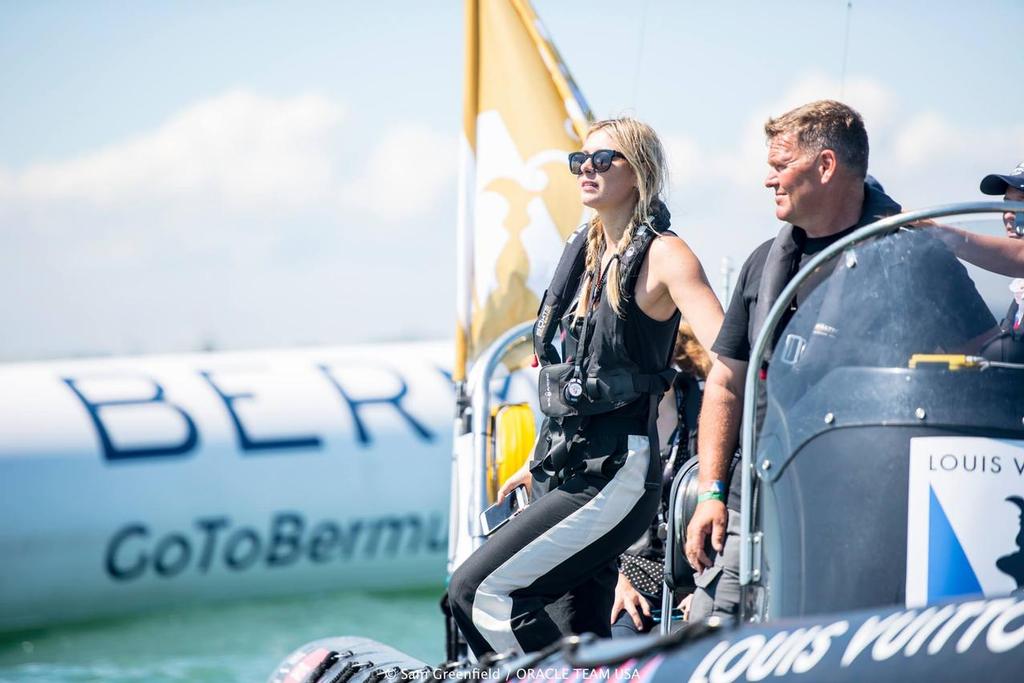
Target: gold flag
column 522, row 115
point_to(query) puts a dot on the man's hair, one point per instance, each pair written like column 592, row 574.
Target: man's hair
column 825, row 124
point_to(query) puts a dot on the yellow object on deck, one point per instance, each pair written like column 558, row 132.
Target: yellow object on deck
column 510, row 441
column 952, row 361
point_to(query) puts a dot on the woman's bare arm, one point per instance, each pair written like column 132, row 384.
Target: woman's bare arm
column 676, row 266
column 1000, row 255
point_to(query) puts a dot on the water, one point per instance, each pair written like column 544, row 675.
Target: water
column 236, row 642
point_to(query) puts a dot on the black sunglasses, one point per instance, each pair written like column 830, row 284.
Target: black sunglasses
column 601, row 160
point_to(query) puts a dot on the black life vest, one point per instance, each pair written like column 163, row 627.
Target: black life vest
column 560, row 434
column 565, row 282
column 559, row 294
column 606, row 379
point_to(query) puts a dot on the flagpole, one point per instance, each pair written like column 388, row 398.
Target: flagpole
column 521, row 114
column 467, row 192
column 455, row 646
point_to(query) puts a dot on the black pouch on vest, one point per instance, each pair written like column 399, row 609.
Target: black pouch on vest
column 596, row 395
column 613, row 388
column 551, row 390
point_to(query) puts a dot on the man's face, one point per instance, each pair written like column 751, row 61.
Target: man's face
column 793, row 177
column 1012, row 195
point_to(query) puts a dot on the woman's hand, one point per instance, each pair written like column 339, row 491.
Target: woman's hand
column 521, row 477
column 627, row 598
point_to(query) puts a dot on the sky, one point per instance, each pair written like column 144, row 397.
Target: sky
column 177, row 176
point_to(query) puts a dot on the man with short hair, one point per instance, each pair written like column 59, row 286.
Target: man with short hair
column 818, row 160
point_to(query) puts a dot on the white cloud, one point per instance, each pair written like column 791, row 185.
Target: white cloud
column 922, row 138
column 909, row 139
column 683, row 158
column 410, row 168
column 6, row 182
column 868, row 96
column 932, row 160
column 923, row 158
column 238, row 149
column 225, row 223
column 928, row 138
column 244, row 153
column 263, row 198
column 745, row 164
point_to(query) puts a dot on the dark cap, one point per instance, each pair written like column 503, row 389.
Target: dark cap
column 997, row 184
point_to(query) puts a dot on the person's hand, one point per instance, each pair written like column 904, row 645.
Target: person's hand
column 521, row 477
column 953, row 238
column 684, row 606
column 627, row 598
column 710, row 517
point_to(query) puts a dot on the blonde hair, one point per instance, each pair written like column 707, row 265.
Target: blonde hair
column 688, row 354
column 643, row 151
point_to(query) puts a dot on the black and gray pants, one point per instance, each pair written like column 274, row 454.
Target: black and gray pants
column 561, row 541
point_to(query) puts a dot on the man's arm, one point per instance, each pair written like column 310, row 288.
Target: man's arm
column 719, row 427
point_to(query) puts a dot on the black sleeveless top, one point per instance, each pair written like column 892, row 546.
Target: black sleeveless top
column 634, row 341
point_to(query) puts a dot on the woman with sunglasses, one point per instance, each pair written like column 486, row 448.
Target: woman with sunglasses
column 566, row 542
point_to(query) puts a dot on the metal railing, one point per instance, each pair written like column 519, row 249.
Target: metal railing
column 748, row 573
column 478, row 391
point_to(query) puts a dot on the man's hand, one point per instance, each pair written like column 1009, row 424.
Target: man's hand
column 521, row 477
column 710, row 517
column 684, row 606
column 719, row 426
column 627, row 598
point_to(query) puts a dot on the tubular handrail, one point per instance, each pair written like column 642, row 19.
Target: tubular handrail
column 478, row 390
column 768, row 329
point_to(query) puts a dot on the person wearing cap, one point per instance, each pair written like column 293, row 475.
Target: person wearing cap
column 1009, row 346
column 995, row 254
column 1011, row 186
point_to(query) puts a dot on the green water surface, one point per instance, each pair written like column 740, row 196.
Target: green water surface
column 236, row 642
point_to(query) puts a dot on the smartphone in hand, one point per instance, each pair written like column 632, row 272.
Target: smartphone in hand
column 494, row 517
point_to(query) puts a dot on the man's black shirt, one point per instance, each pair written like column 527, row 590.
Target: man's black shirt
column 736, row 337
column 934, row 286
column 733, row 339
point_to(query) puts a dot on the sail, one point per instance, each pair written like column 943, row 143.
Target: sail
column 522, row 115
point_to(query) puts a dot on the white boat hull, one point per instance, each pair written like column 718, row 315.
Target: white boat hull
column 135, row 483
